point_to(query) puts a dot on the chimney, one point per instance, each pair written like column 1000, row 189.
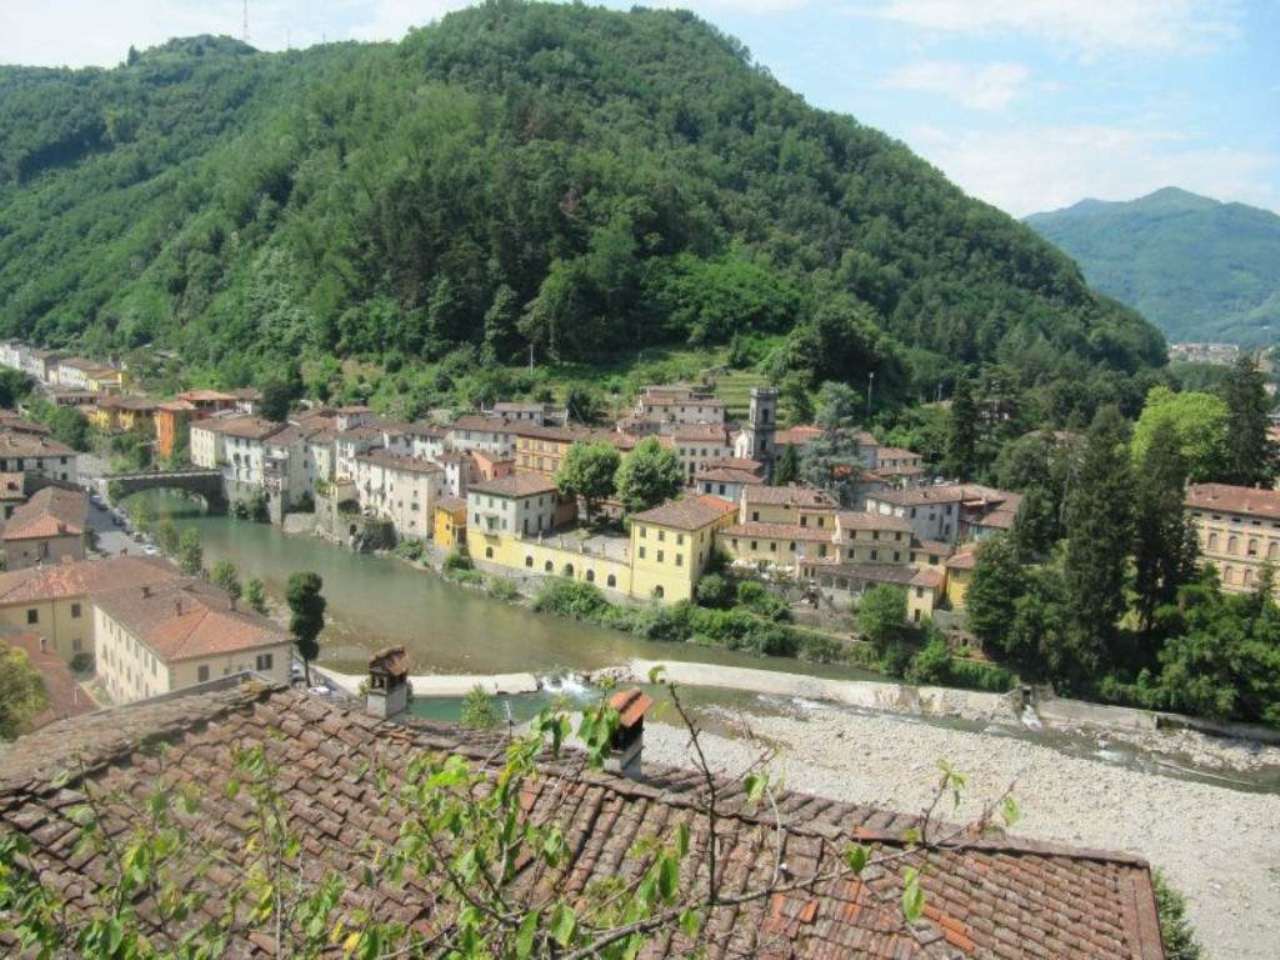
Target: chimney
column 627, row 746
column 388, row 685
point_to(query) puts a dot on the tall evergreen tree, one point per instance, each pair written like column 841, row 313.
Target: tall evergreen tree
column 1250, row 455
column 962, row 433
column 787, row 469
column 1099, row 522
column 1163, row 552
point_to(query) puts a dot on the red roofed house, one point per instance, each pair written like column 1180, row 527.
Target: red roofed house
column 48, row 528
column 671, row 543
column 153, row 639
column 62, row 690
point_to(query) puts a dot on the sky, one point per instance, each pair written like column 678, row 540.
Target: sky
column 1028, row 104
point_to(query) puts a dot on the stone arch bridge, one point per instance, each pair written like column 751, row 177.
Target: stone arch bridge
column 206, row 484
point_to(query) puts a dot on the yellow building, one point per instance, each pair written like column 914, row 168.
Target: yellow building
column 56, row 601
column 864, row 537
column 450, row 528
column 155, row 639
column 671, row 543
column 845, row 583
column 805, row 506
column 541, row 450
column 778, row 544
column 960, row 576
column 1238, row 529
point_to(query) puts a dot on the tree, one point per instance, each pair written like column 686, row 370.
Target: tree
column 168, row 536
column 306, row 615
column 478, row 709
column 1099, row 521
column 1164, row 543
column 882, row 613
column 22, row 693
column 787, row 469
column 190, row 553
column 1197, row 426
column 68, row 425
column 1250, row 454
column 715, row 590
column 962, row 433
column 14, row 386
column 226, row 576
column 583, row 405
column 277, row 398
column 836, row 452
column 588, row 471
column 255, row 594
column 649, row 475
column 999, row 579
column 143, row 513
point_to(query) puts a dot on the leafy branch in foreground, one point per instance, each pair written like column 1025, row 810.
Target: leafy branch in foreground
column 482, row 838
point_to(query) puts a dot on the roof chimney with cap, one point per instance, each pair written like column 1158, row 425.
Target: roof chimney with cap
column 388, row 693
column 627, row 746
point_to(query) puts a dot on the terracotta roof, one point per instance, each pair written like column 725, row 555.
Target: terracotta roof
column 395, row 461
column 658, row 400
column 177, row 406
column 206, row 396
column 792, row 495
column 82, row 578
column 894, row 574
column 867, row 520
column 797, row 436
column 728, row 475
column 920, row 496
column 51, row 512
column 701, row 433
column 13, row 421
column 340, row 787
column 779, row 531
column 1251, row 501
column 21, row 443
column 187, row 618
column 735, row 463
column 687, row 513
column 515, row 485
column 966, row 559
column 246, row 393
column 62, row 690
column 425, row 430
column 475, row 421
column 452, row 504
column 897, row 453
column 247, row 427
column 932, row 546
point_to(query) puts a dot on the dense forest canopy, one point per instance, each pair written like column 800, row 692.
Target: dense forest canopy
column 557, row 176
column 1197, row 268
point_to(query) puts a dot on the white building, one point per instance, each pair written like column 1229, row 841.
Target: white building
column 523, row 504
column 401, row 489
column 489, row 434
column 22, row 452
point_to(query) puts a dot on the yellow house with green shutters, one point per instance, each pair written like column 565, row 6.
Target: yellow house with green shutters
column 672, row 543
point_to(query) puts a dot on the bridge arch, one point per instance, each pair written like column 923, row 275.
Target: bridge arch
column 207, row 484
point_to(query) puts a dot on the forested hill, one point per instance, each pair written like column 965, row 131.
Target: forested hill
column 580, row 179
column 1198, row 269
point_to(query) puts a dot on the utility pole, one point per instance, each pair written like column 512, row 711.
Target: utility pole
column 871, row 382
column 244, row 23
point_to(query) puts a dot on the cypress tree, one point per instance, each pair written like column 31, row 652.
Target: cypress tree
column 1163, row 554
column 1099, row 522
column 1250, row 455
column 788, row 468
column 962, row 433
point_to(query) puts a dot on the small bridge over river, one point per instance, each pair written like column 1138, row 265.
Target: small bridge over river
column 205, row 483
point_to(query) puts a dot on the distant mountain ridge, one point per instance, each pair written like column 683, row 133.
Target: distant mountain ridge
column 1197, row 268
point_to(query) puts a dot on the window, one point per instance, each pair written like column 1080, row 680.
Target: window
column 662, row 536
column 612, row 581
column 1253, row 546
column 851, row 553
column 755, row 516
column 1233, row 545
column 679, row 559
column 1213, row 541
column 264, row 661
column 548, row 567
column 76, row 645
column 75, row 611
column 773, row 546
column 528, row 561
column 679, row 539
column 754, row 544
column 642, row 553
column 913, row 513
column 874, row 554
column 591, row 576
column 660, row 555
column 488, row 553
column 33, row 616
column 822, row 549
column 644, row 532
column 896, row 556
column 919, row 591
column 804, row 521
column 202, row 674
column 658, row 592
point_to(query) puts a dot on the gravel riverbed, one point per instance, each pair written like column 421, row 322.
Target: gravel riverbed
column 1220, row 847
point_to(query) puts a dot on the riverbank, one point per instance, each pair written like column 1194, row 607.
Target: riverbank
column 441, row 685
column 1217, row 845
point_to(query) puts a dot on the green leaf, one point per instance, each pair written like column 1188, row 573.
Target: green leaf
column 668, row 877
column 682, row 840
column 563, row 923
column 1009, row 811
column 524, row 936
column 911, row 835
column 856, row 857
column 690, row 923
column 755, row 784
column 912, row 895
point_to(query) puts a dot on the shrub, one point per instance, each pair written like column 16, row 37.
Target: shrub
column 457, row 560
column 1179, row 936
column 82, row 662
column 500, row 588
column 571, row 598
column 409, row 549
column 750, row 592
column 479, row 711
column 715, row 590
column 931, row 664
column 821, row 648
column 976, row 675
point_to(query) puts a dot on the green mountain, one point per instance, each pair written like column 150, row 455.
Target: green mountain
column 1199, row 269
column 575, row 179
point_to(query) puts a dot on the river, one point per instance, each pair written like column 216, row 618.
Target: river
column 378, row 601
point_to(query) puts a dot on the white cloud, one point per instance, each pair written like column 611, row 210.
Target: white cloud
column 991, row 86
column 1088, row 25
column 1025, row 171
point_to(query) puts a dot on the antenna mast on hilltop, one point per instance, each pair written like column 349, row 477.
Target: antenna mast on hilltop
column 244, row 24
